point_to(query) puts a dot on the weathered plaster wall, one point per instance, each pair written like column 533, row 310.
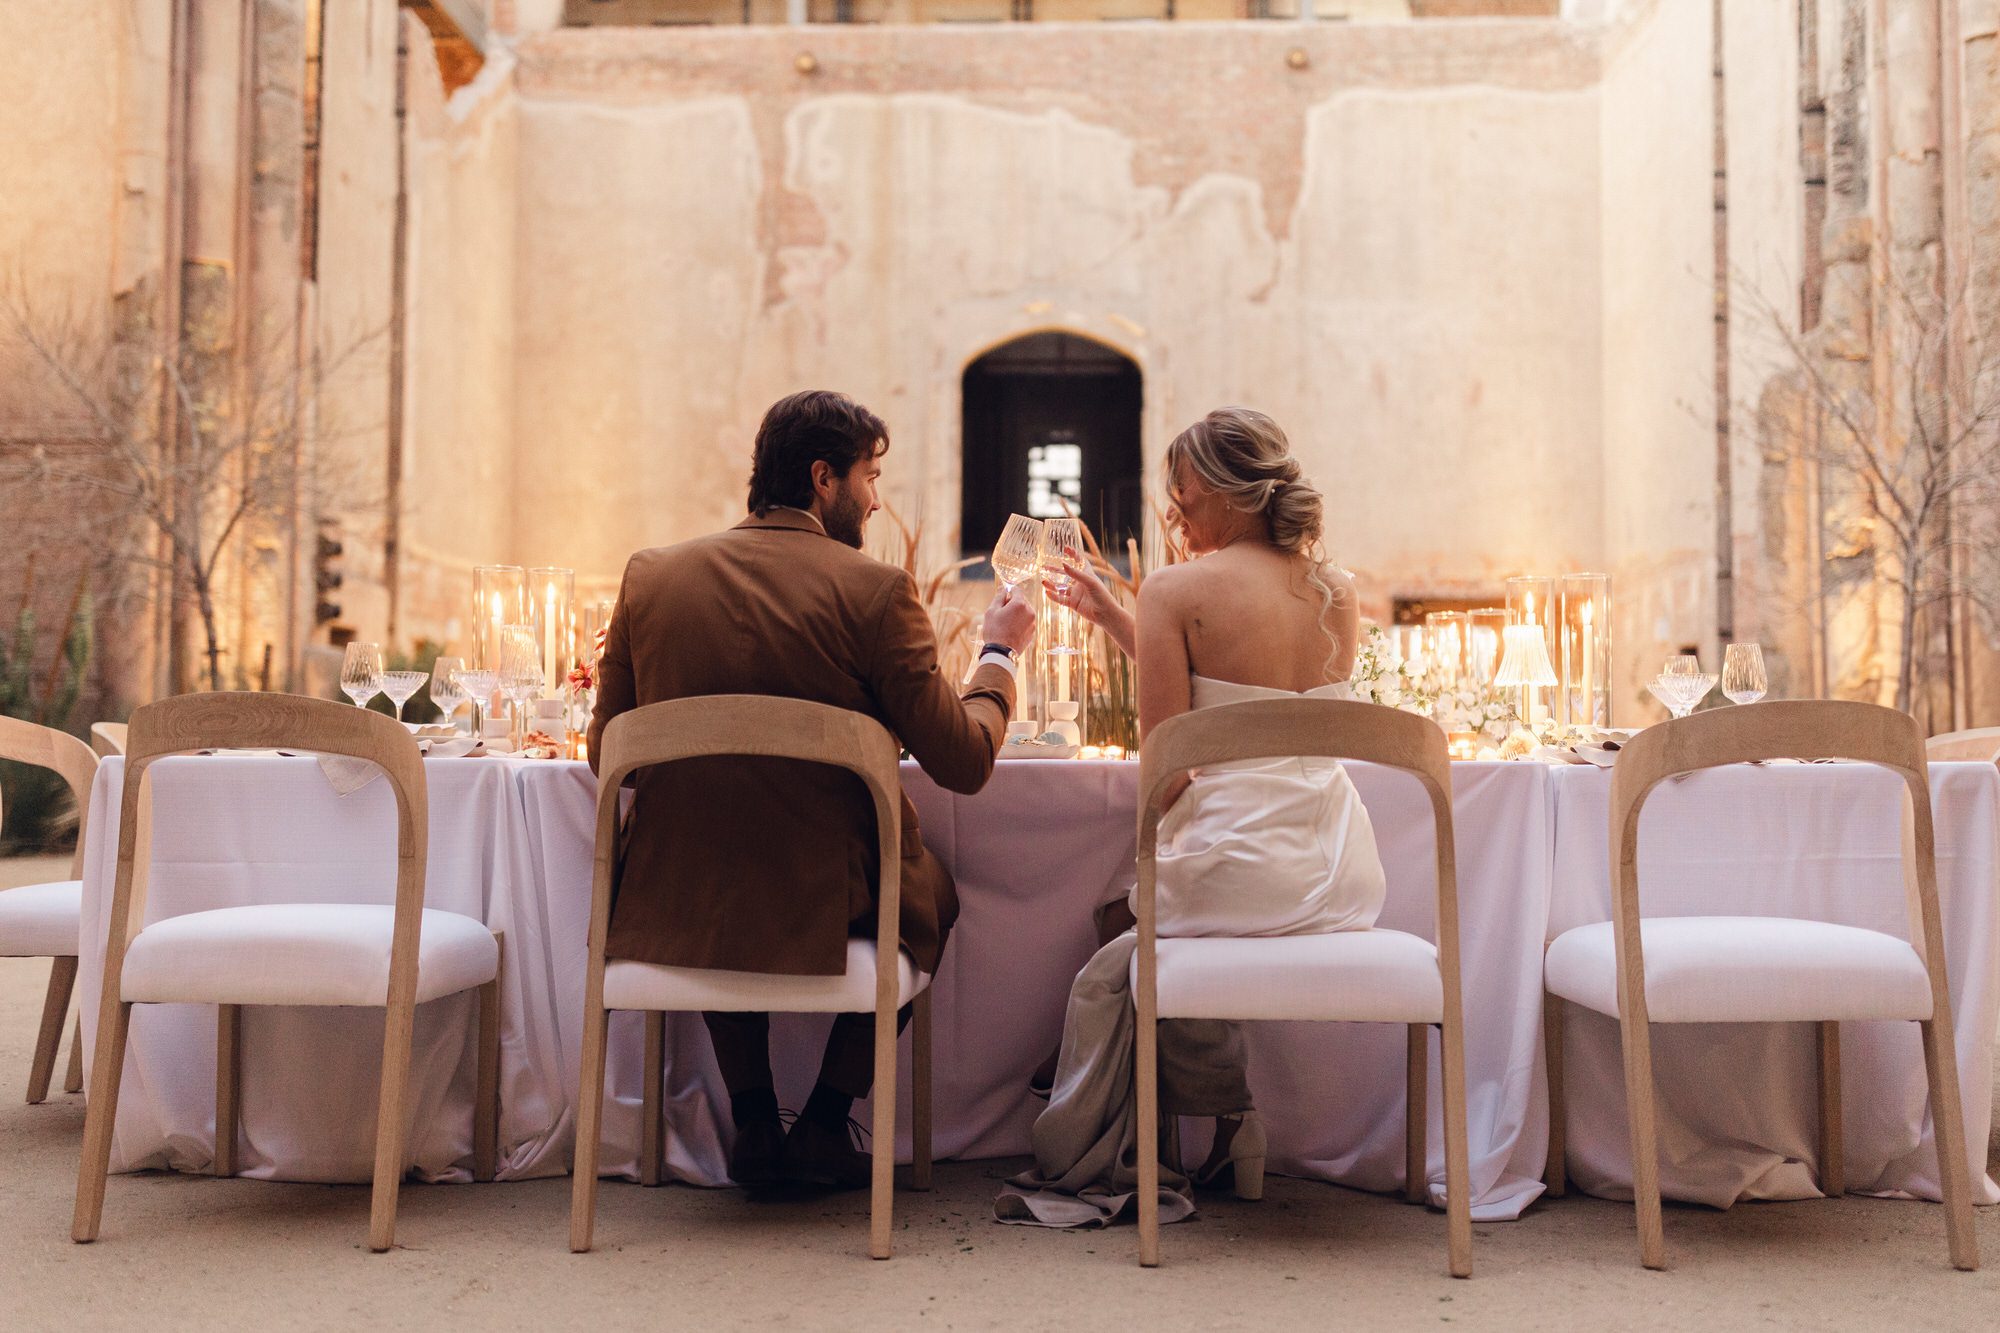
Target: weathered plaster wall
column 1394, row 250
column 1659, row 445
column 461, row 466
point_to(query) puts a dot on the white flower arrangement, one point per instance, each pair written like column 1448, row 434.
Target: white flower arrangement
column 1384, row 676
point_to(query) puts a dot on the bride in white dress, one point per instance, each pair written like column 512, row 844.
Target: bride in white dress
column 1270, row 847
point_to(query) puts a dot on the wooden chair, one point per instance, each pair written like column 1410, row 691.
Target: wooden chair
column 1360, row 976
column 1980, row 746
column 1746, row 969
column 315, row 954
column 741, row 724
column 108, row 738
column 44, row 920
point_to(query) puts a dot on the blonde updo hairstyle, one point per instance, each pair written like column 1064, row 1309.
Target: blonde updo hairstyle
column 1243, row 456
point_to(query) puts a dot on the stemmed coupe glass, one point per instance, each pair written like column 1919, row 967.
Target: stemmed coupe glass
column 446, row 692
column 1682, row 684
column 1060, row 536
column 1744, row 680
column 400, row 685
column 1017, row 556
column 361, row 672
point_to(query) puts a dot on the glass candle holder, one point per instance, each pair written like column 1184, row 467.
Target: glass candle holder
column 1485, row 638
column 551, row 613
column 1532, row 599
column 1586, row 649
column 499, row 597
column 1065, row 668
column 1448, row 638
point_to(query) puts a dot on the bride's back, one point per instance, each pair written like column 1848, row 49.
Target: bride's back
column 1252, row 615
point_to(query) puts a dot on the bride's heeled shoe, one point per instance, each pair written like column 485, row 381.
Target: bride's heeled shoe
column 1242, row 1167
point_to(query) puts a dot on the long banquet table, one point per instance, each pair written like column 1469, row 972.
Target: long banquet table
column 1033, row 854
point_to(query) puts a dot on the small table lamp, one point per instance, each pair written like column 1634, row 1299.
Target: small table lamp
column 1525, row 665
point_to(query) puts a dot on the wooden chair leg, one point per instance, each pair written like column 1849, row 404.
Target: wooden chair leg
column 651, row 1114
column 1555, row 1173
column 100, row 1112
column 1636, row 1039
column 228, row 1084
column 1416, row 1115
column 1457, row 1157
column 1832, row 1135
column 48, row 1041
column 882, row 1191
column 1146, row 1070
column 920, row 1092
column 486, row 1099
column 73, row 1078
column 391, row 1111
column 589, row 1125
column 1948, row 1132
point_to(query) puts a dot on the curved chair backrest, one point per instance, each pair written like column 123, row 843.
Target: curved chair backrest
column 107, row 738
column 1789, row 729
column 1979, row 746
column 250, row 720
column 69, row 758
column 1287, row 728
column 752, row 725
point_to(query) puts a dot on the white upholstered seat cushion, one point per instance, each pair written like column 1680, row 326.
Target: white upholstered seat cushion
column 41, row 920
column 650, row 986
column 1746, row 969
column 1356, row 976
column 300, row 953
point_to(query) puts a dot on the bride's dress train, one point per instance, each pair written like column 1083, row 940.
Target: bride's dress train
column 1260, row 848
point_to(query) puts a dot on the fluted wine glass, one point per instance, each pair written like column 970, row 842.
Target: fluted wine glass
column 1017, row 556
column 479, row 683
column 361, row 672
column 446, row 692
column 1060, row 537
column 1744, row 680
column 521, row 676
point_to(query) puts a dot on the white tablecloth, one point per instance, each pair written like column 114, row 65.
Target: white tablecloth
column 1033, row 854
column 1738, row 1102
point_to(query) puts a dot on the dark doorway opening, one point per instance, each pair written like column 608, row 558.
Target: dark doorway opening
column 1049, row 418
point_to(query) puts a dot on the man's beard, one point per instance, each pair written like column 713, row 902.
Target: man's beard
column 846, row 519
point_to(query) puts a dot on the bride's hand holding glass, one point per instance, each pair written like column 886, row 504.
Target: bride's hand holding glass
column 1089, row 596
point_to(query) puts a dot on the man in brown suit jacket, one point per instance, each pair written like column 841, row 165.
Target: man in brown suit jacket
column 769, row 865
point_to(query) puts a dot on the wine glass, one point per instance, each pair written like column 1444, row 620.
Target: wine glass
column 446, row 692
column 1017, row 556
column 1744, row 679
column 479, row 684
column 361, row 672
column 520, row 673
column 400, row 685
column 1060, row 536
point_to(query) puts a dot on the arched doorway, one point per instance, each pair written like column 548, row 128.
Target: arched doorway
column 1049, row 418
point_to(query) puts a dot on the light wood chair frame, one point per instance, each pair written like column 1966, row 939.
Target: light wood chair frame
column 1789, row 729
column 255, row 721
column 108, row 738
column 766, row 726
column 1980, row 745
column 72, row 761
column 1332, row 729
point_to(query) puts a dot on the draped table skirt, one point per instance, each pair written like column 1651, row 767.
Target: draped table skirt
column 1033, row 854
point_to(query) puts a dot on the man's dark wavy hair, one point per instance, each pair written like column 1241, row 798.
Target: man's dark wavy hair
column 817, row 425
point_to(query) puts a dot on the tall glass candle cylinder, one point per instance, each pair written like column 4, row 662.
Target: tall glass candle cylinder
column 1486, row 638
column 499, row 597
column 1532, row 600
column 1448, row 636
column 551, row 610
column 1586, row 648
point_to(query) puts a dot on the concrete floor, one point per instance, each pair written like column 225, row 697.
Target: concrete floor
column 180, row 1252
